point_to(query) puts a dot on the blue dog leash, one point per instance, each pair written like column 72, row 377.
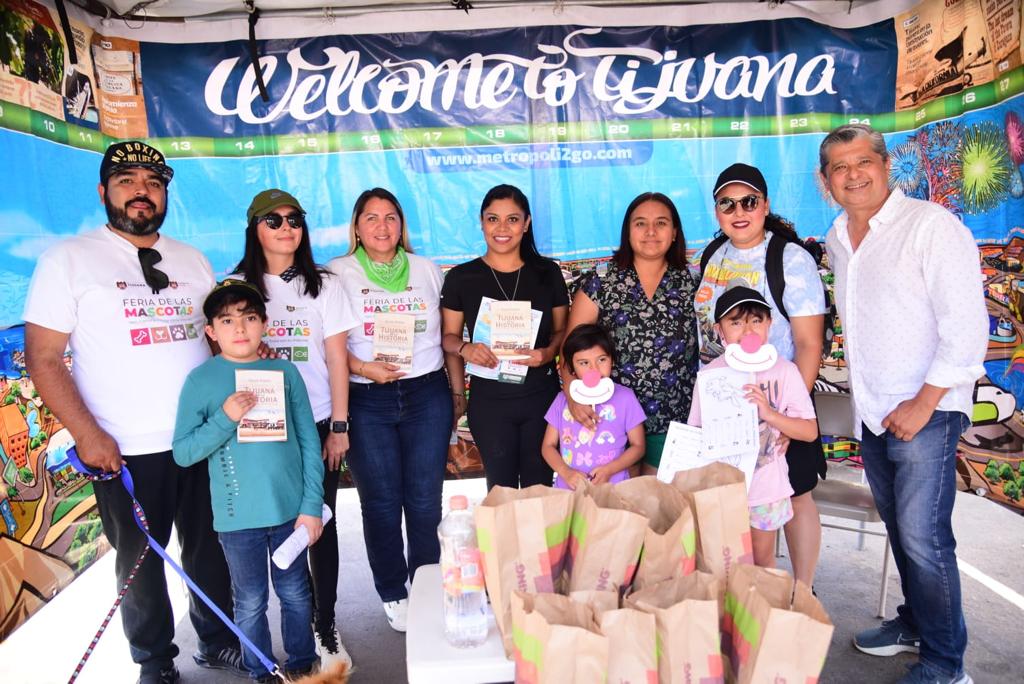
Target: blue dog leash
column 140, row 519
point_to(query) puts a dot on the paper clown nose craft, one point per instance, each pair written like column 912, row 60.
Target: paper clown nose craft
column 749, row 355
column 591, row 389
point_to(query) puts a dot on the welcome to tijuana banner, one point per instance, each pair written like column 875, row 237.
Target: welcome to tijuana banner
column 583, row 118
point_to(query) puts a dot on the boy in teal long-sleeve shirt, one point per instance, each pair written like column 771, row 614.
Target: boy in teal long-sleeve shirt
column 261, row 491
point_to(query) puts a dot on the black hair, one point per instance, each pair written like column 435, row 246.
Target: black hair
column 746, row 309
column 223, row 297
column 584, row 337
column 253, row 265
column 676, row 255
column 527, row 247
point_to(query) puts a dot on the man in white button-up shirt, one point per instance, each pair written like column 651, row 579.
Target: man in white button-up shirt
column 909, row 292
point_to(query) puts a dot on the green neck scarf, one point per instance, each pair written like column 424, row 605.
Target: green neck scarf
column 392, row 276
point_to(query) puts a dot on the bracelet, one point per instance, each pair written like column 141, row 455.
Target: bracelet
column 458, row 394
column 461, row 347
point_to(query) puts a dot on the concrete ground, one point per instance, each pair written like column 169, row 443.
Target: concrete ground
column 991, row 551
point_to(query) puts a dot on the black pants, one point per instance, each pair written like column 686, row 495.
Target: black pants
column 169, row 495
column 323, row 556
column 509, row 433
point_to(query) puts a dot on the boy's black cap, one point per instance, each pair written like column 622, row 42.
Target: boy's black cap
column 131, row 154
column 734, row 296
column 240, row 288
column 742, row 173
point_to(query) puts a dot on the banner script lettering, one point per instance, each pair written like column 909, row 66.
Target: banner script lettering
column 338, row 82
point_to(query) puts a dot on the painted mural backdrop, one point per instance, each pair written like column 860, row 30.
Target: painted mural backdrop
column 582, row 118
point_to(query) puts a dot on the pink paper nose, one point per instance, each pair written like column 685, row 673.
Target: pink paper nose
column 750, row 343
column 591, row 378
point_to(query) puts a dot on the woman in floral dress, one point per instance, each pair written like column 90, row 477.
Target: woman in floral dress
column 646, row 301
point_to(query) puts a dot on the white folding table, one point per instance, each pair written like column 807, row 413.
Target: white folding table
column 430, row 659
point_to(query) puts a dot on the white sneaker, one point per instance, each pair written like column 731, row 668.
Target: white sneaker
column 330, row 649
column 397, row 612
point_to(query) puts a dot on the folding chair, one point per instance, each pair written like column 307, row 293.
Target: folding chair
column 847, row 500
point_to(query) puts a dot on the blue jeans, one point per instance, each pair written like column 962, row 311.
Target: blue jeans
column 914, row 485
column 398, row 449
column 247, row 553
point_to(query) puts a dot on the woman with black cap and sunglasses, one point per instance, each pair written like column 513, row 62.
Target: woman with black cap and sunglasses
column 750, row 238
column 308, row 319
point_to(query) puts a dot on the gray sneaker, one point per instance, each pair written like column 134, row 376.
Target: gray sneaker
column 888, row 639
column 920, row 674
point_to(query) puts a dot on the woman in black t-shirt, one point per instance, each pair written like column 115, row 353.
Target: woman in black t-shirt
column 506, row 413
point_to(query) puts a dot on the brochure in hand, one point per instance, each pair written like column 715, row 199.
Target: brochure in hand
column 511, row 326
column 506, row 371
column 265, row 422
column 393, row 339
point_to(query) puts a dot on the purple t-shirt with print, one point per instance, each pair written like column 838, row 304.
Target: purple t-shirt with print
column 584, row 449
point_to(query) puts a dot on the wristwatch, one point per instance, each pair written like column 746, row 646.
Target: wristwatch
column 339, row 426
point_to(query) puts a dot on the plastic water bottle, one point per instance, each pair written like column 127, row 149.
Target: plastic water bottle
column 465, row 604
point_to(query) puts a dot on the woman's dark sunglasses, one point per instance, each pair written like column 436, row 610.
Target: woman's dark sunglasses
column 275, row 221
column 727, row 205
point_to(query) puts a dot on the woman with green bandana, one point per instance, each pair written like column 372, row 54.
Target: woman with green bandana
column 400, row 403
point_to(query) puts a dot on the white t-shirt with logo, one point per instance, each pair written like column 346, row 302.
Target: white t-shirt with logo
column 298, row 324
column 421, row 299
column 131, row 349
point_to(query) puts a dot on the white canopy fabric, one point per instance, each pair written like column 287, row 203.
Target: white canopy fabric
column 225, row 8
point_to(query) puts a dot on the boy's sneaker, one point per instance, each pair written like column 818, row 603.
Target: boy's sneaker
column 228, row 659
column 921, row 674
column 168, row 675
column 329, row 647
column 398, row 613
column 888, row 639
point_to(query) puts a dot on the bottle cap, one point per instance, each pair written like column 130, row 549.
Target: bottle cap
column 458, row 503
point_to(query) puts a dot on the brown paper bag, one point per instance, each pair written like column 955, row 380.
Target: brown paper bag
column 670, row 542
column 633, row 645
column 557, row 640
column 600, row 601
column 522, row 535
column 632, row 639
column 774, row 629
column 687, row 613
column 604, row 541
column 717, row 494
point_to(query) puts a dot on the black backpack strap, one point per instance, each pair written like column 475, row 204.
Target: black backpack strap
column 709, row 251
column 774, row 268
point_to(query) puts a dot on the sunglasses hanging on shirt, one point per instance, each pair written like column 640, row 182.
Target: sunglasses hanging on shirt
column 155, row 278
column 275, row 221
column 727, row 205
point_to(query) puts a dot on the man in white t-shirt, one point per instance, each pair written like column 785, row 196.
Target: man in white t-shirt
column 909, row 292
column 128, row 303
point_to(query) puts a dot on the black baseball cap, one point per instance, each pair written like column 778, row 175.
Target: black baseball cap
column 233, row 290
column 741, row 173
column 734, row 296
column 134, row 154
